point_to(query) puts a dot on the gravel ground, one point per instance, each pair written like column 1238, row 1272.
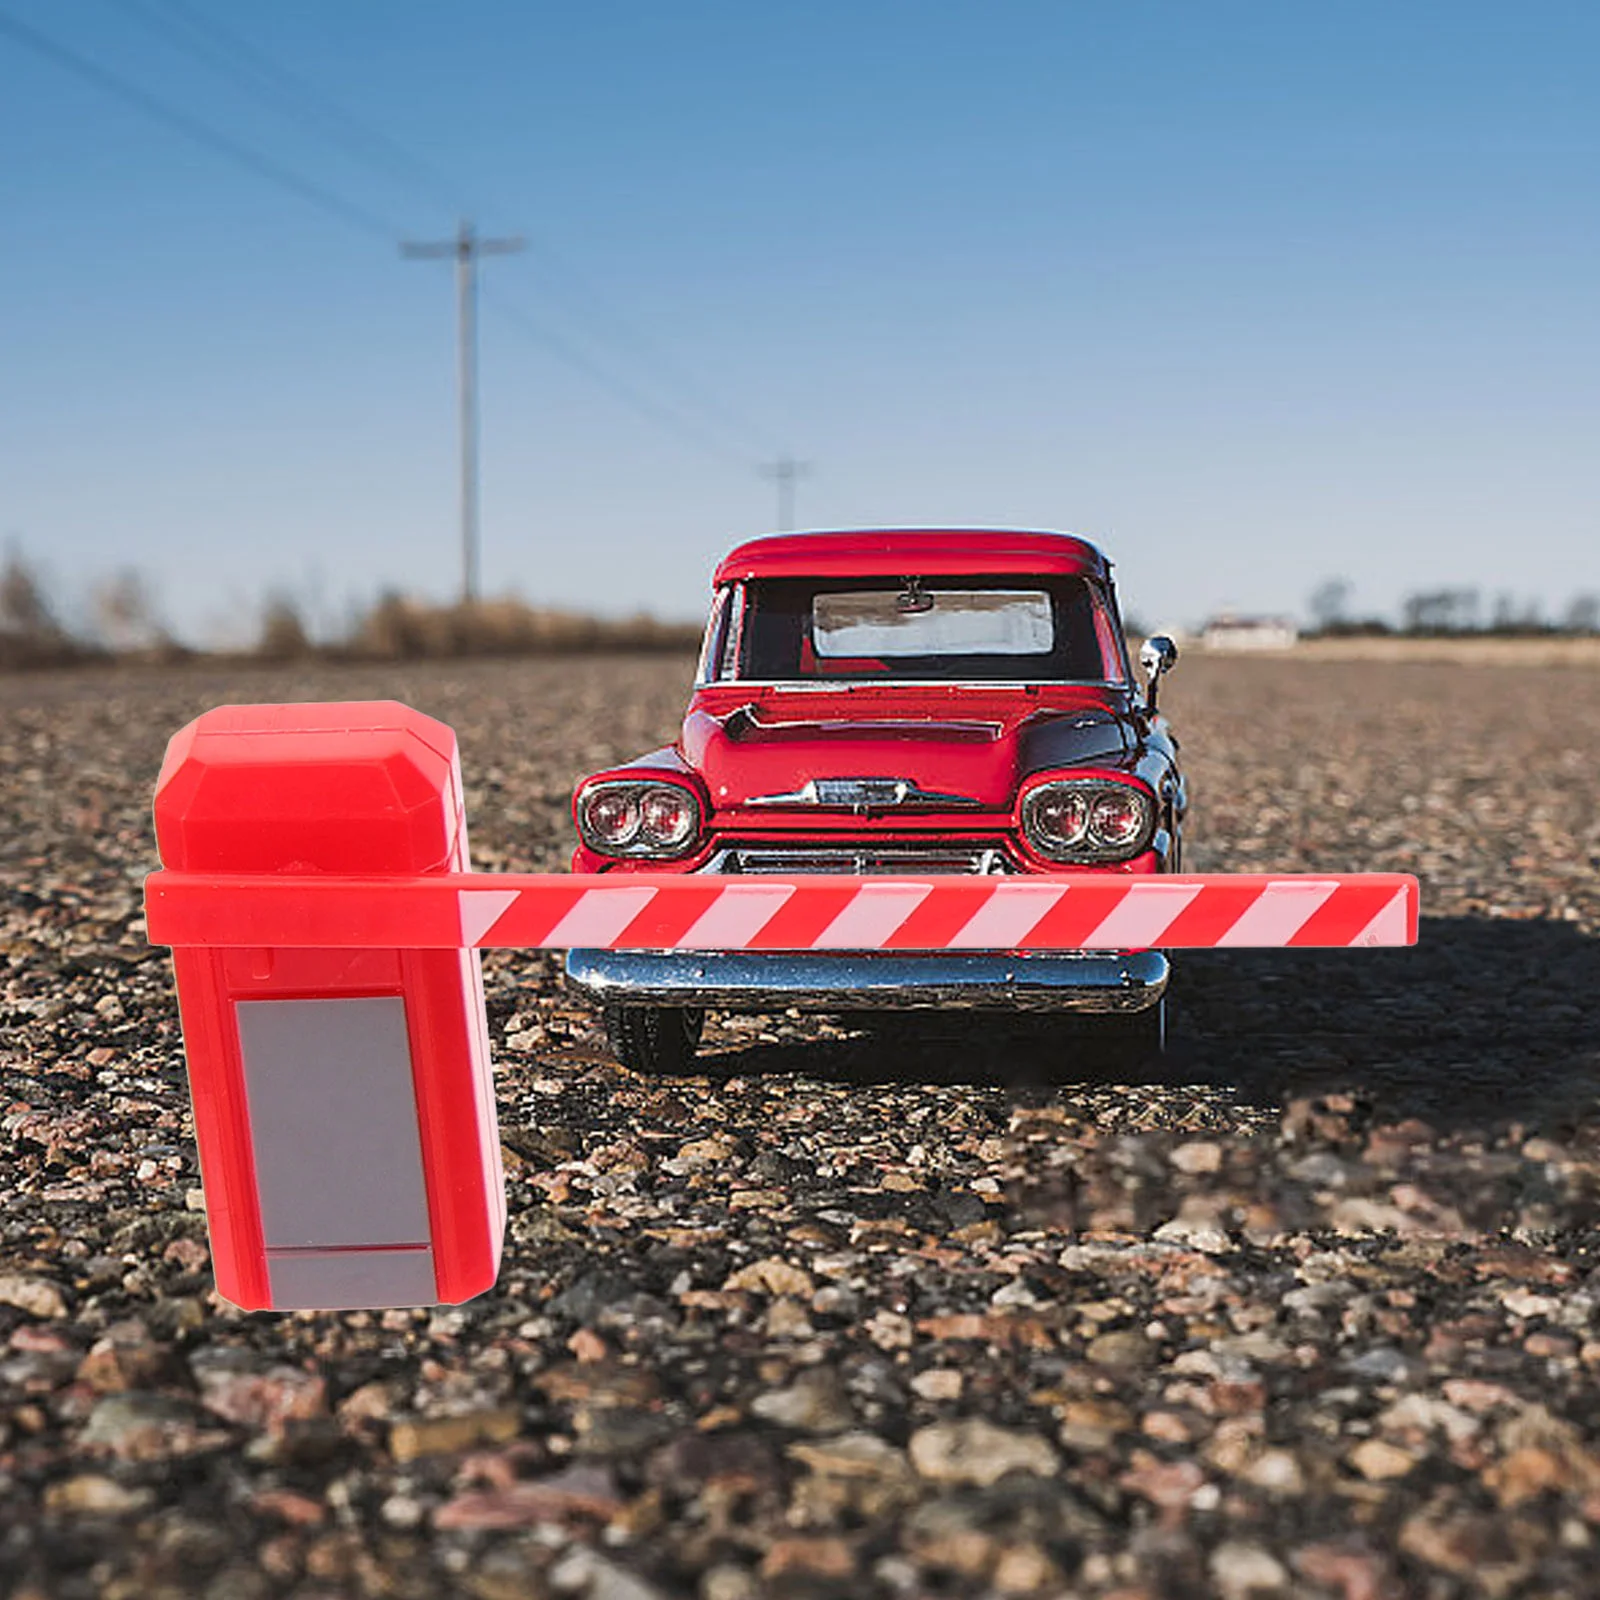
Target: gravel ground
column 1307, row 1311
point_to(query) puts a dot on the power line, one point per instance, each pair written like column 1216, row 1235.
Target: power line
column 619, row 389
column 324, row 199
column 204, row 39
column 626, row 338
column 465, row 249
column 712, row 432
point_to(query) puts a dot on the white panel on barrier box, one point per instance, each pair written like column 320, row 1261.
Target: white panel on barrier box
column 333, row 1122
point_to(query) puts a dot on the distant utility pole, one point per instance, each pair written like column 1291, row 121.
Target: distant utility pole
column 784, row 471
column 465, row 248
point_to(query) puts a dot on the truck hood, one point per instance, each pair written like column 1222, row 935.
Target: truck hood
column 875, row 752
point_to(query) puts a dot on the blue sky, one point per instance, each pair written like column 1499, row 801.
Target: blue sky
column 1253, row 294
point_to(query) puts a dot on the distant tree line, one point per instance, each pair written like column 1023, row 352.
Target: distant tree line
column 122, row 622
column 120, row 619
column 1436, row 613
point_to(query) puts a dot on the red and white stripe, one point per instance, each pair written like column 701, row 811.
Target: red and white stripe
column 692, row 911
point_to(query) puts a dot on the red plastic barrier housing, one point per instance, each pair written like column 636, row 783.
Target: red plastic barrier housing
column 343, row 1102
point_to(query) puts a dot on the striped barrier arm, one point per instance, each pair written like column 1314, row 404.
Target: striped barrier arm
column 683, row 911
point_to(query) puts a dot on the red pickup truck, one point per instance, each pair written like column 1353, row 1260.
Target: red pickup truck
column 905, row 701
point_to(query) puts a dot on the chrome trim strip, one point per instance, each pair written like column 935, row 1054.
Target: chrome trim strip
column 920, row 727
column 742, row 980
column 859, row 859
column 860, row 795
column 815, row 685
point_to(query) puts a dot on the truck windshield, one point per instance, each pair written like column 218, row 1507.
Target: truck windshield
column 1007, row 629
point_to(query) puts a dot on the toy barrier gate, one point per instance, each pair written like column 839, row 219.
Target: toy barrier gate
column 325, row 931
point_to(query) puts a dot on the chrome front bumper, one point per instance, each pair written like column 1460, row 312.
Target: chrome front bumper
column 737, row 980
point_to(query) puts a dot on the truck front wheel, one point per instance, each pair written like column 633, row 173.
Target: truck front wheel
column 1128, row 1038
column 654, row 1038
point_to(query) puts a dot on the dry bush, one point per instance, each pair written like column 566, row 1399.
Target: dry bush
column 283, row 631
column 398, row 628
column 30, row 634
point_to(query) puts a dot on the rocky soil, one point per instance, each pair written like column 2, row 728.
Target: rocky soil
column 1308, row 1310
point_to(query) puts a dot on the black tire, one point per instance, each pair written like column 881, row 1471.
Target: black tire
column 1128, row 1038
column 654, row 1038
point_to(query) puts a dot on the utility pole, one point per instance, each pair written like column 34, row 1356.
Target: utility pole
column 784, row 471
column 465, row 249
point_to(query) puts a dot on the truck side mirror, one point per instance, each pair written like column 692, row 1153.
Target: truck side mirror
column 1157, row 656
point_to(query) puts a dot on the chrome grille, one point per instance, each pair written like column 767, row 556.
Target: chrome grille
column 860, row 860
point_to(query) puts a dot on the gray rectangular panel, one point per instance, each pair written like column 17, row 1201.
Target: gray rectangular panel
column 351, row 1280
column 333, row 1122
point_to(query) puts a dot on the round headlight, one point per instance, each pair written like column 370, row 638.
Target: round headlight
column 1086, row 819
column 667, row 816
column 611, row 817
column 1117, row 818
column 1059, row 817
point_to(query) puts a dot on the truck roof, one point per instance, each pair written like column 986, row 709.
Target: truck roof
column 910, row 553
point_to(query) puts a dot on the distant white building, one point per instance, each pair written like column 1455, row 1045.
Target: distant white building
column 1229, row 632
